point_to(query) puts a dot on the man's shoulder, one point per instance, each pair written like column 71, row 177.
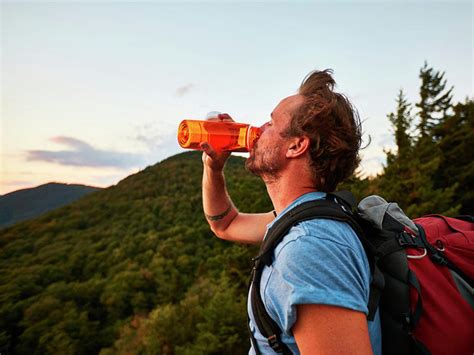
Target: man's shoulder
column 321, row 231
column 319, row 262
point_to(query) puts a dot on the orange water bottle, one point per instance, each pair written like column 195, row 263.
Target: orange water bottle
column 221, row 135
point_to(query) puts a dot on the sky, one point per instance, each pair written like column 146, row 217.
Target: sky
column 92, row 92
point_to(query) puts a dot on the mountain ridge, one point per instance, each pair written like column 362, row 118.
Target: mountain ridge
column 28, row 203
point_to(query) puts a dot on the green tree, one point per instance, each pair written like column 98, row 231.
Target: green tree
column 434, row 105
column 396, row 182
column 435, row 99
column 408, row 177
column 402, row 123
column 456, row 142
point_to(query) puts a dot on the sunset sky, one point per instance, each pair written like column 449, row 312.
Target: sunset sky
column 94, row 91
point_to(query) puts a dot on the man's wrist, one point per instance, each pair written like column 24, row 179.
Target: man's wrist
column 214, row 173
column 215, row 168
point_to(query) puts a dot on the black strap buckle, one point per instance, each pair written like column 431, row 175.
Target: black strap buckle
column 439, row 258
column 407, row 240
column 275, row 343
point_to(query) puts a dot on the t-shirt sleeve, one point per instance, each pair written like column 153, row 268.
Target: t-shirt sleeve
column 317, row 269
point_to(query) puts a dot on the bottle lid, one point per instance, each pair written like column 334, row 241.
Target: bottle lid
column 189, row 132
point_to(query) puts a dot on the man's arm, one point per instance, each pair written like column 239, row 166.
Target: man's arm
column 322, row 329
column 221, row 214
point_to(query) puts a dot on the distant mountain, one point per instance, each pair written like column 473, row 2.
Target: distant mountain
column 26, row 204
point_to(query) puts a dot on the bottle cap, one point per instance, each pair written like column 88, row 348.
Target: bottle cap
column 189, row 132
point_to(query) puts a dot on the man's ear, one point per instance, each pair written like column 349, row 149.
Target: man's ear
column 298, row 146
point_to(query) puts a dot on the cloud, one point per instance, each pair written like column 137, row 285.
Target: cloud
column 85, row 155
column 183, row 90
column 156, row 135
column 72, row 142
column 159, row 146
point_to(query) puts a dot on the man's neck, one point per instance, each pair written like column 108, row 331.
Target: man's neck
column 284, row 190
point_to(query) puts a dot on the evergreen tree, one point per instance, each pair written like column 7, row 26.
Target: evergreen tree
column 408, row 176
column 456, row 142
column 397, row 178
column 435, row 99
column 401, row 121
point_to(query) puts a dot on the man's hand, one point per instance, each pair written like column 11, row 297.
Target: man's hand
column 210, row 158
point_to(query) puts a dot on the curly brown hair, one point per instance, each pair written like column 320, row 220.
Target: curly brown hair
column 333, row 126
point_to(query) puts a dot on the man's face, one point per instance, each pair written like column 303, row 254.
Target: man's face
column 268, row 156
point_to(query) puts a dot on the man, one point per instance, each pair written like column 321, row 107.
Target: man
column 317, row 288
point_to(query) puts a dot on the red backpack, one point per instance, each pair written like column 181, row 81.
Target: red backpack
column 422, row 274
column 446, row 323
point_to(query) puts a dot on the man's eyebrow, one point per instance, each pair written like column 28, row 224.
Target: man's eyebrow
column 271, row 115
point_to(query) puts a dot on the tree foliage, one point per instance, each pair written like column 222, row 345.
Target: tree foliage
column 414, row 173
column 435, row 99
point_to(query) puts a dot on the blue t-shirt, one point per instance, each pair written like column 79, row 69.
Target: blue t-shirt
column 319, row 261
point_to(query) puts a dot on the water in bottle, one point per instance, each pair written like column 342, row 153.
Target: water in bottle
column 221, row 135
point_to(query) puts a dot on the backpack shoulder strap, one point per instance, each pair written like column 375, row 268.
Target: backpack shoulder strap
column 328, row 208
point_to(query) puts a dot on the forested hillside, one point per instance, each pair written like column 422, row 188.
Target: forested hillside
column 26, row 204
column 136, row 256
column 134, row 269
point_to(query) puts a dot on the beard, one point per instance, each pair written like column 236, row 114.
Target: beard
column 265, row 163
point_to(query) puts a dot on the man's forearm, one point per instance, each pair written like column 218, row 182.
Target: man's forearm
column 218, row 207
column 221, row 214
